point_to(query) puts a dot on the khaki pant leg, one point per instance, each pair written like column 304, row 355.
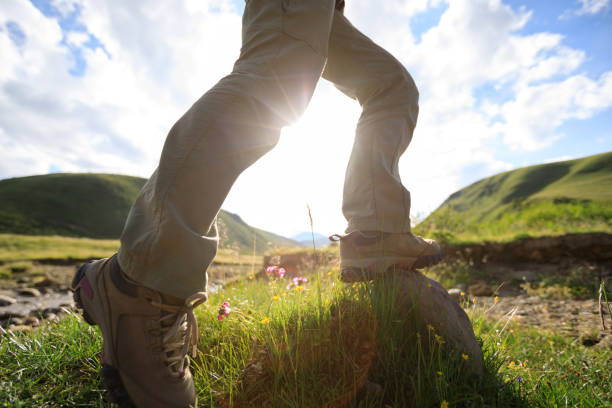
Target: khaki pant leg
column 374, row 198
column 170, row 237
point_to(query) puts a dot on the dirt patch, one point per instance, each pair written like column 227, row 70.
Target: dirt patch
column 594, row 247
column 578, row 319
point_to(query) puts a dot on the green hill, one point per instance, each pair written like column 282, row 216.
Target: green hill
column 548, row 199
column 95, row 206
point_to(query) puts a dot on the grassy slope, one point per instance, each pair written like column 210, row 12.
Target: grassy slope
column 95, row 206
column 554, row 198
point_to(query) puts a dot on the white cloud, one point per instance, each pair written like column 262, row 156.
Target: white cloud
column 558, row 159
column 115, row 117
column 65, row 7
column 533, row 117
column 77, row 39
column 593, row 6
column 587, row 7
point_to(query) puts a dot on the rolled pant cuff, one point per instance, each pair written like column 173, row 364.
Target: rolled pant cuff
column 375, row 225
column 159, row 280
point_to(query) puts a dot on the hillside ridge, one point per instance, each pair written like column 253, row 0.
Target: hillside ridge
column 95, row 205
column 571, row 196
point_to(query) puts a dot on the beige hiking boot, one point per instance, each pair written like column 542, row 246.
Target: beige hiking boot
column 146, row 337
column 365, row 254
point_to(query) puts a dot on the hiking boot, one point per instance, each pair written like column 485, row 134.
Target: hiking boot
column 365, row 254
column 146, row 335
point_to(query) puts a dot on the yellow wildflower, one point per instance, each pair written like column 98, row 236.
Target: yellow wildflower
column 465, row 356
column 439, row 339
column 276, row 298
column 444, row 404
column 430, row 327
column 462, row 293
column 513, row 365
column 440, row 373
column 266, row 320
column 251, row 277
column 496, row 299
column 299, row 288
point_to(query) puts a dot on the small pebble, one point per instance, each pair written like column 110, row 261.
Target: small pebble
column 20, row 329
column 51, row 317
column 32, row 292
column 6, row 300
column 45, row 283
column 32, row 321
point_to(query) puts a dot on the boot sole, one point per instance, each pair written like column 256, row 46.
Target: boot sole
column 111, row 380
column 370, row 269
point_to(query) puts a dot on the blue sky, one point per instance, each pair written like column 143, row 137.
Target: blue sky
column 95, row 86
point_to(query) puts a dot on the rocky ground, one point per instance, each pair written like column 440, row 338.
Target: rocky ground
column 37, row 292
column 579, row 319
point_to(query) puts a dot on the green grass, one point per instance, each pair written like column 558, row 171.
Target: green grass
column 315, row 348
column 96, row 206
column 550, row 199
column 85, row 205
column 24, row 247
column 15, row 248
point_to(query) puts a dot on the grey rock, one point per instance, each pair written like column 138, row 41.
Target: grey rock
column 6, row 300
column 20, row 329
column 480, row 288
column 51, row 310
column 438, row 309
column 12, row 321
column 31, row 321
column 11, row 315
column 67, row 305
column 45, row 283
column 51, row 317
column 32, row 292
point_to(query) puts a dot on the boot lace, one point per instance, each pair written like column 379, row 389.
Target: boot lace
column 180, row 331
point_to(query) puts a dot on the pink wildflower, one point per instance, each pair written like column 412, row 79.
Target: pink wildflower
column 275, row 270
column 224, row 310
column 297, row 281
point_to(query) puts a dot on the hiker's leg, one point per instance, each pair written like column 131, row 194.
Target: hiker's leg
column 170, row 237
column 374, row 197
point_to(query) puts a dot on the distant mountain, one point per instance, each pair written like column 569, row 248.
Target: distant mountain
column 553, row 198
column 305, row 239
column 95, row 206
